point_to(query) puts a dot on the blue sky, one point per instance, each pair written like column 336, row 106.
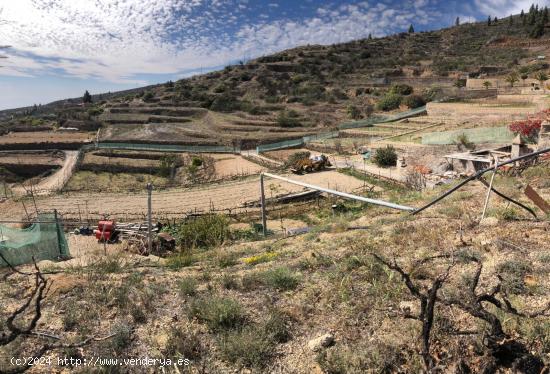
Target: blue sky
column 59, row 48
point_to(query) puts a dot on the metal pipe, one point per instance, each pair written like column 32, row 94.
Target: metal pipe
column 343, row 194
column 477, row 175
column 262, row 202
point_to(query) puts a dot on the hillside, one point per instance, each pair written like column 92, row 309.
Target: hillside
column 302, row 90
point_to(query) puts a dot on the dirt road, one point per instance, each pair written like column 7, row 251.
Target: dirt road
column 55, row 181
column 231, row 195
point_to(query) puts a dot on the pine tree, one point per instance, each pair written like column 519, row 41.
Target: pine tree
column 522, row 14
column 489, row 21
column 87, row 98
column 411, row 29
column 370, row 36
column 457, row 22
column 511, row 20
column 496, row 20
column 545, row 15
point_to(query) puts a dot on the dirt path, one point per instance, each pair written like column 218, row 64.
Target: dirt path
column 55, row 181
column 175, row 202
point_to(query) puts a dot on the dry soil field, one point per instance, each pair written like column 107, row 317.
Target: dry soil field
column 230, row 195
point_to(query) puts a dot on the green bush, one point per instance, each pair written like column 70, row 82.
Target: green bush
column 218, row 313
column 390, row 101
column 225, row 103
column 288, row 119
column 282, row 279
column 205, row 232
column 187, row 286
column 254, row 346
column 353, row 112
column 414, row 101
column 180, row 260
column 184, row 343
column 401, row 89
column 385, row 157
column 148, row 96
column 196, row 161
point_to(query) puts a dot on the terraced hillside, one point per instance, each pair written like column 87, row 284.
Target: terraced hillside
column 302, row 90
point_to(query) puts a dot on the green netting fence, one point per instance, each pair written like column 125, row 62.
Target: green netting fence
column 44, row 240
column 168, row 147
column 382, row 119
column 296, row 142
column 479, row 135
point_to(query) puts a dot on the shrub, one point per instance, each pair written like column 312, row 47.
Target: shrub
column 389, row 102
column 462, row 141
column 229, row 282
column 205, row 232
column 217, row 312
column 264, row 257
column 180, row 260
column 385, row 157
column 187, row 286
column 353, row 112
column 401, row 89
column 225, row 103
column 148, row 96
column 122, row 337
column 513, row 273
column 184, row 343
column 196, row 161
column 414, row 101
column 253, row 346
column 288, row 119
column 282, row 279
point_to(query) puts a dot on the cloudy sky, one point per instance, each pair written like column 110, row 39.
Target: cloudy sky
column 59, row 48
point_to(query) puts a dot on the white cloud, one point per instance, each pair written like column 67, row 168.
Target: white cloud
column 116, row 40
column 503, row 8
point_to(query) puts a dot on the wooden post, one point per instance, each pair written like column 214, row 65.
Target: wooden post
column 262, row 203
column 149, row 218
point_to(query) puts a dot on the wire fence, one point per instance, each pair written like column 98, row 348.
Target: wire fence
column 478, row 135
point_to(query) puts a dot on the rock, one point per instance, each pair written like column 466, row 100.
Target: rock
column 489, row 222
column 321, row 342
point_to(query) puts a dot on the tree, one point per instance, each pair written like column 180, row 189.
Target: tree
column 489, row 21
column 511, row 20
column 370, row 36
column 411, row 29
column 522, row 14
column 538, row 30
column 457, row 21
column 512, row 78
column 487, row 84
column 496, row 20
column 459, row 83
column 542, row 77
column 523, row 77
column 87, row 98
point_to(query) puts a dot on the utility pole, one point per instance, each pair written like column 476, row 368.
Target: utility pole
column 149, row 219
column 262, row 202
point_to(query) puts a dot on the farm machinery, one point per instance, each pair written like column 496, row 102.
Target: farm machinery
column 310, row 164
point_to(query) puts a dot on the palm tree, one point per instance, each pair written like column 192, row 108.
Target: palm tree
column 487, row 84
column 542, row 77
column 512, row 78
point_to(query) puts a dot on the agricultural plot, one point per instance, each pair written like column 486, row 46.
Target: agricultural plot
column 45, row 137
column 178, row 201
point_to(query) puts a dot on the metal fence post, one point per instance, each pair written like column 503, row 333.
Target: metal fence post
column 149, row 219
column 262, row 202
column 57, row 232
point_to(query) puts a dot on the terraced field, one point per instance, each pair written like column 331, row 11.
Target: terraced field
column 160, row 122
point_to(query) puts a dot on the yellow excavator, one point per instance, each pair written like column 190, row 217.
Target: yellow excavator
column 310, row 164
